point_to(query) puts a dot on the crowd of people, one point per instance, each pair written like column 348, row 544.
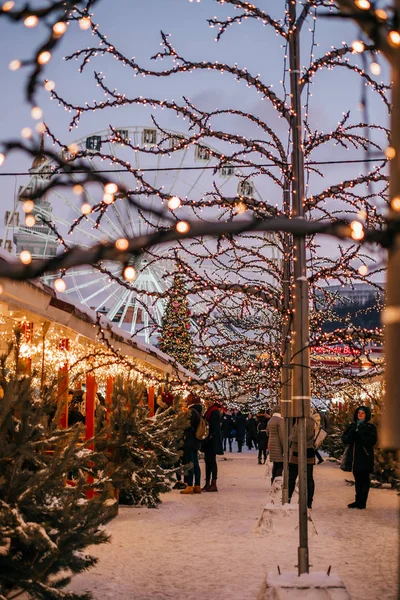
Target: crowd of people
column 266, row 432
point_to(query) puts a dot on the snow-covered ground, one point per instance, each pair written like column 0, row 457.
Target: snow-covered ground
column 209, row 545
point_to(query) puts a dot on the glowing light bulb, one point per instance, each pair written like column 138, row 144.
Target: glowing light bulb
column 59, row 28
column 1, row 289
column 36, row 113
column 357, row 230
column 40, row 127
column 122, row 244
column 390, row 152
column 86, row 209
column 28, row 206
column 111, row 188
column 44, row 57
column 77, row 189
column 381, row 14
column 375, row 68
column 363, row 270
column 30, row 220
column 25, row 257
column 394, row 38
column 26, row 132
column 31, row 21
column 7, row 6
column 395, row 203
column 49, row 85
column 73, row 148
column 240, row 208
column 2, row 159
column 129, row 273
column 14, row 65
column 363, row 4
column 84, row 23
column 358, row 46
column 182, row 227
column 60, row 285
column 174, row 202
column 108, row 198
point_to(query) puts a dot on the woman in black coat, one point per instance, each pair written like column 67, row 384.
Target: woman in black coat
column 240, row 429
column 191, row 447
column 262, row 438
column 361, row 437
column 212, row 446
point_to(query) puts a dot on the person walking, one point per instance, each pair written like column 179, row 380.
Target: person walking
column 212, row 446
column 191, row 446
column 240, row 429
column 276, row 436
column 294, row 460
column 361, row 435
column 251, row 432
column 226, row 430
column 262, row 438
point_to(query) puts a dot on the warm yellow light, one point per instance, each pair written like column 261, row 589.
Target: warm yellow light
column 174, row 202
column 122, row 244
column 129, row 273
column 394, row 38
column 110, row 188
column 26, row 132
column 182, row 226
column 390, row 152
column 395, row 203
column 363, row 270
column 73, row 148
column 30, row 220
column 59, row 28
column 7, row 6
column 363, row 4
column 44, row 57
column 49, row 85
column 25, row 257
column 40, row 127
column 84, row 23
column 108, row 198
column 375, row 68
column 14, row 65
column 2, row 159
column 31, row 21
column 28, row 206
column 1, row 289
column 36, row 113
column 357, row 230
column 240, row 208
column 357, row 46
column 381, row 14
column 77, row 189
column 86, row 209
column 60, row 285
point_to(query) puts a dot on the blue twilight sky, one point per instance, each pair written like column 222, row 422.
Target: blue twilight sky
column 134, row 28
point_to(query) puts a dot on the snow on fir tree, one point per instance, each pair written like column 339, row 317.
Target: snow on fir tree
column 143, row 452
column 46, row 520
column 176, row 338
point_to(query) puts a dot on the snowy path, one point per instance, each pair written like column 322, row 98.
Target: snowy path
column 207, row 546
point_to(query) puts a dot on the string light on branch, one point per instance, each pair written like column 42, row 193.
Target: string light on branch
column 40, row 127
column 84, row 23
column 356, row 230
column 36, row 113
column 49, row 85
column 7, row 6
column 108, row 198
column 395, row 203
column 59, row 28
column 390, row 152
column 129, row 273
column 182, row 227
column 31, row 21
column 381, row 14
column 111, row 188
column 358, row 46
column 78, row 189
column 44, row 57
column 375, row 68
column 25, row 257
column 174, row 202
column 14, row 65
column 60, row 285
column 30, row 220
column 26, row 133
column 240, row 208
column 86, row 209
column 394, row 38
column 73, row 148
column 363, row 4
column 363, row 270
column 28, row 206
column 122, row 244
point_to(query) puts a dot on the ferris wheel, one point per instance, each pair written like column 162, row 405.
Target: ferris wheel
column 135, row 306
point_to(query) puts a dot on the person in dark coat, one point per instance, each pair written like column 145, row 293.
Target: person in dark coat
column 262, row 438
column 226, row 430
column 212, row 446
column 361, row 435
column 191, row 447
column 294, row 460
column 251, row 432
column 240, row 429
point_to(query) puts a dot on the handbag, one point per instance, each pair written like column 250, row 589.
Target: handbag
column 345, row 463
column 319, row 438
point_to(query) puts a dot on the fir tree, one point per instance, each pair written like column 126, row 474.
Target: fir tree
column 45, row 523
column 176, row 339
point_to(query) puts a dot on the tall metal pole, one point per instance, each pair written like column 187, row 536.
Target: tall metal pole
column 286, row 383
column 301, row 399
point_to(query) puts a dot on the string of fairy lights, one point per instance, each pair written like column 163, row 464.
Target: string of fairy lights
column 230, row 254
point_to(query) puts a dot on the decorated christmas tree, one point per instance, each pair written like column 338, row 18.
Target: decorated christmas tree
column 47, row 513
column 143, row 451
column 176, row 338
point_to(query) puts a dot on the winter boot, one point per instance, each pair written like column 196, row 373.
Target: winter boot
column 206, row 488
column 259, row 461
column 197, row 489
column 213, row 486
column 189, row 490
